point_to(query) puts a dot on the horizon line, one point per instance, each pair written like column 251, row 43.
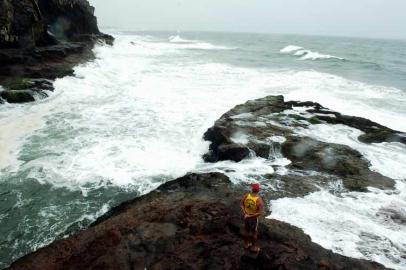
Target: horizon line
column 255, row 32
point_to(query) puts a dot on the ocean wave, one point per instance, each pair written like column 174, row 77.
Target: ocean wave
column 178, row 39
column 182, row 43
column 307, row 54
column 290, row 48
column 204, row 46
column 159, row 45
column 97, row 132
column 351, row 231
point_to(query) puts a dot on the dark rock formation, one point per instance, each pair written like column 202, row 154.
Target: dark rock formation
column 268, row 124
column 69, row 19
column 374, row 132
column 49, row 62
column 18, row 96
column 340, row 160
column 232, row 151
column 22, row 91
column 29, row 23
column 21, row 25
column 193, row 222
column 44, row 39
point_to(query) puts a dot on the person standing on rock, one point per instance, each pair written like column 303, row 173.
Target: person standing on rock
column 252, row 206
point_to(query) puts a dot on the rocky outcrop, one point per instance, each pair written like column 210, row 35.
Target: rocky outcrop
column 340, row 160
column 44, row 39
column 22, row 91
column 193, row 222
column 69, row 19
column 30, row 23
column 21, row 24
column 373, row 132
column 270, row 124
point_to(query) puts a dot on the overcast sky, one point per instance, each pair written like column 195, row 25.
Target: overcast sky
column 360, row 18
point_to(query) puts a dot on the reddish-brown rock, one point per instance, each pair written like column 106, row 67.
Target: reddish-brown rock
column 193, row 222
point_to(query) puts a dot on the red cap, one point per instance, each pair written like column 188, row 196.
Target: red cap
column 255, row 187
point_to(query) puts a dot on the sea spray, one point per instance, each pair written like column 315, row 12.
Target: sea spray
column 134, row 118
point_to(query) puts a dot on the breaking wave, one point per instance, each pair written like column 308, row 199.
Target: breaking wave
column 307, row 54
column 178, row 39
column 366, row 225
column 134, row 118
column 290, row 48
column 182, row 43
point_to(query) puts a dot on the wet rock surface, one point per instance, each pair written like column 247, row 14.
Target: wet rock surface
column 44, row 39
column 269, row 127
column 340, row 160
column 31, row 23
column 193, row 222
column 22, row 91
column 373, row 132
column 21, row 24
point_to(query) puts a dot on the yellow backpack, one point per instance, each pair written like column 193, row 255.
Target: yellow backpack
column 250, row 204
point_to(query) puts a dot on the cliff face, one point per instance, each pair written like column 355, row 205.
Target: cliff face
column 29, row 23
column 69, row 19
column 20, row 24
column 41, row 40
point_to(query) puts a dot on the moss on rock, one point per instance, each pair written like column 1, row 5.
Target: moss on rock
column 19, row 84
column 17, row 96
column 314, row 120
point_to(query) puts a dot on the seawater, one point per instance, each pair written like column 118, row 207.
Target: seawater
column 134, row 118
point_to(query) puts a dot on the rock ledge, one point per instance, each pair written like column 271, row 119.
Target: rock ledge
column 193, row 222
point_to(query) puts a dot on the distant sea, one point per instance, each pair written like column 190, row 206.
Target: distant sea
column 134, row 118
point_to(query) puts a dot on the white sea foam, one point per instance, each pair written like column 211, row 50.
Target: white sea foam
column 181, row 43
column 384, row 105
column 290, row 48
column 385, row 158
column 125, row 115
column 362, row 225
column 93, row 216
column 136, row 114
column 307, row 54
column 178, row 39
column 25, row 120
column 355, row 224
column 126, row 122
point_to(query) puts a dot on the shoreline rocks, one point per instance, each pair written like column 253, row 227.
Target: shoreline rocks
column 23, row 91
column 44, row 39
column 260, row 126
column 373, row 132
column 193, row 222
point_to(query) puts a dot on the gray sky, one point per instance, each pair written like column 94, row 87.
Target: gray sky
column 360, row 18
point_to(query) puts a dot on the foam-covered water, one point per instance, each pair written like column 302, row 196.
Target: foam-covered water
column 307, row 54
column 178, row 39
column 364, row 225
column 193, row 44
column 134, row 118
